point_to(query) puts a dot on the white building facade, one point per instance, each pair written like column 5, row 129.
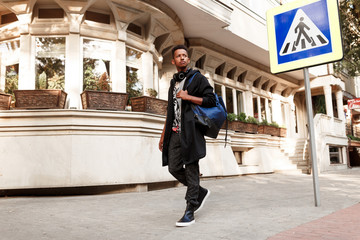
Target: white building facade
column 227, row 42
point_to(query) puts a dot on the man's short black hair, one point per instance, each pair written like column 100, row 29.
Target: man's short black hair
column 178, row 47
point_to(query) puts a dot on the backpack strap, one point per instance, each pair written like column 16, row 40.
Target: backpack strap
column 190, row 80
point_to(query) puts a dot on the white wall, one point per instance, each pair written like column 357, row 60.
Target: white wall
column 64, row 148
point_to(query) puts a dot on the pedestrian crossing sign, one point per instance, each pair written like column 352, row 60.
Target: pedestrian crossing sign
column 304, row 33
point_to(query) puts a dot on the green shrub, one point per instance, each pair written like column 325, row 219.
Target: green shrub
column 231, row 117
column 251, row 119
column 264, row 122
column 353, row 137
column 241, row 117
column 152, row 92
column 274, row 124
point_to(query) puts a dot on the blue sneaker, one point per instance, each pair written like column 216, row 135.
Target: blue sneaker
column 188, row 217
column 203, row 195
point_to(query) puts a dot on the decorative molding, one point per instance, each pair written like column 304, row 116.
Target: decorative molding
column 126, row 14
column 19, row 6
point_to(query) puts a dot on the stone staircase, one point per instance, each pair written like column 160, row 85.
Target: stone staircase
column 297, row 150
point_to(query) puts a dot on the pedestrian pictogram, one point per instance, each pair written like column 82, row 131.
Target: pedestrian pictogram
column 303, row 35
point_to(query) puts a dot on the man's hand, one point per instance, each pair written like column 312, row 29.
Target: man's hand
column 183, row 95
column 161, row 142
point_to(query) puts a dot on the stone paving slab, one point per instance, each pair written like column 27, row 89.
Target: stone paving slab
column 246, row 207
column 343, row 224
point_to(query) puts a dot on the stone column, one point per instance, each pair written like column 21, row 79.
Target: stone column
column 339, row 104
column 267, row 110
column 2, row 73
column 328, row 100
column 118, row 70
column 26, row 58
column 73, row 70
column 248, row 103
column 235, row 101
column 259, row 108
column 147, row 71
column 73, row 63
column 156, row 78
column 223, row 94
column 292, row 121
column 276, row 110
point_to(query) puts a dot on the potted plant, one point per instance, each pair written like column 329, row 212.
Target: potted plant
column 149, row 104
column 251, row 125
column 282, row 131
column 49, row 95
column 274, row 129
column 262, row 127
column 268, row 128
column 152, row 92
column 5, row 101
column 236, row 122
column 230, row 118
column 97, row 93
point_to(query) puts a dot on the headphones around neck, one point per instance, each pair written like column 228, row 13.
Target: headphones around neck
column 178, row 77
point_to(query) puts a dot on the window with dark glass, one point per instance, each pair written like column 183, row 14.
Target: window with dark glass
column 231, row 73
column 241, row 77
column 8, row 18
column 229, row 101
column 200, row 63
column 263, row 109
column 97, row 17
column 135, row 29
column 334, row 103
column 255, row 107
column 51, row 13
column 319, row 105
column 335, row 155
column 220, row 69
column 218, row 89
column 239, row 98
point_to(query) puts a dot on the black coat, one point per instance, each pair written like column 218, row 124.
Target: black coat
column 193, row 145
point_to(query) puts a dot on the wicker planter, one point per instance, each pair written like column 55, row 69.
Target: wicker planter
column 149, row 104
column 101, row 100
column 270, row 130
column 282, row 132
column 237, row 126
column 5, row 101
column 40, row 99
column 251, row 128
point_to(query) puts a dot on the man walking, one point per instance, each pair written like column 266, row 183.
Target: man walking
column 182, row 142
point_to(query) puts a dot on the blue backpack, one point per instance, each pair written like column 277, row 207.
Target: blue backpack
column 210, row 118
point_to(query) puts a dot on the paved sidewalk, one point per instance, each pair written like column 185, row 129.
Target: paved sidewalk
column 343, row 224
column 247, row 207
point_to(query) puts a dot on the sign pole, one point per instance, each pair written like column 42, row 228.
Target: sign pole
column 312, row 136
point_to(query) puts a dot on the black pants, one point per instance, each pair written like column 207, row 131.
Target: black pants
column 188, row 175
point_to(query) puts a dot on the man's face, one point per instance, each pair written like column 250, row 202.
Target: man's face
column 181, row 59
